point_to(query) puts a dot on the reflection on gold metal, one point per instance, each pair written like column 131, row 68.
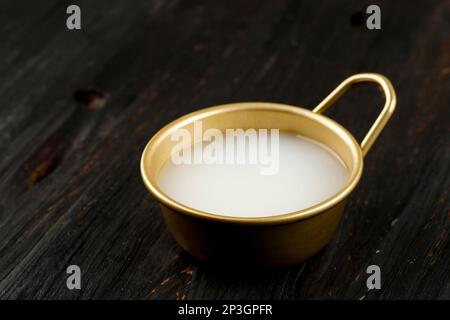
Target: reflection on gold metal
column 280, row 240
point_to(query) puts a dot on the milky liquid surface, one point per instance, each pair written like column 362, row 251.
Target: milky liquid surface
column 308, row 173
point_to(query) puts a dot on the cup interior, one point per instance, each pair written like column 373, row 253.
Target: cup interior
column 255, row 115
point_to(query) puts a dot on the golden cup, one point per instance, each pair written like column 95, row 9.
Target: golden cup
column 274, row 241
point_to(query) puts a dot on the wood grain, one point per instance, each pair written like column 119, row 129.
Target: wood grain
column 77, row 108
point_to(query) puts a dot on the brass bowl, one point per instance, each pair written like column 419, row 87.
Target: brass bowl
column 274, row 241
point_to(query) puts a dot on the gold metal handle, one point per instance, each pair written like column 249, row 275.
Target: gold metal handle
column 385, row 114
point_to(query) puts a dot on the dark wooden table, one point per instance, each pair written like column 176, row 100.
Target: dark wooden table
column 77, row 108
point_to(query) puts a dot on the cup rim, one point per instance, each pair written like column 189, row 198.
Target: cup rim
column 321, row 207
